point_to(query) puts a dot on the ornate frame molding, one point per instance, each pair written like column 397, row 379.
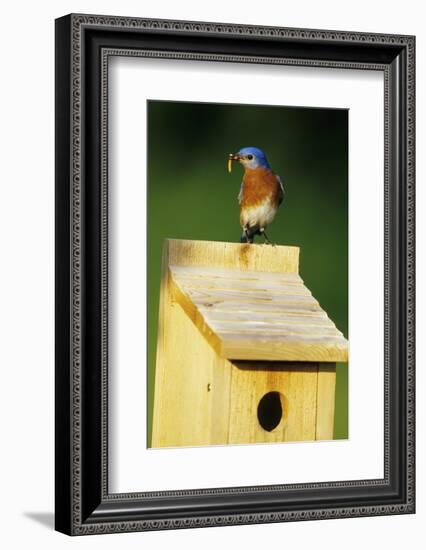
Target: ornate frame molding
column 84, row 505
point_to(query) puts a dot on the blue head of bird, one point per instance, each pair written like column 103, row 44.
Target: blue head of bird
column 250, row 158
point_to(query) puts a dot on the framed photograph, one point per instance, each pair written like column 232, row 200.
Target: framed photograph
column 234, row 274
column 245, row 313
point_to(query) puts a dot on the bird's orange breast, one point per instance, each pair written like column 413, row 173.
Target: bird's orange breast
column 259, row 185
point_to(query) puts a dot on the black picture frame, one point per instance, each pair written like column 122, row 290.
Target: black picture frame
column 83, row 45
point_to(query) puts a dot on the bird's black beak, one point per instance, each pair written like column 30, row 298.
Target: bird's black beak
column 231, row 157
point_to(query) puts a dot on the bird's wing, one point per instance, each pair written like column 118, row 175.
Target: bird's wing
column 281, row 197
column 240, row 194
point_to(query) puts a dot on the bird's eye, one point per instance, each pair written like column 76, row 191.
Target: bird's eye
column 250, row 157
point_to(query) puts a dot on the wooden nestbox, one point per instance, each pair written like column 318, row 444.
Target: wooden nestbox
column 245, row 353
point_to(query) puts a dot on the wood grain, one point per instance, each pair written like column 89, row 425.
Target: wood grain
column 227, row 337
column 325, row 401
column 245, row 310
column 240, row 257
column 191, row 381
column 297, row 386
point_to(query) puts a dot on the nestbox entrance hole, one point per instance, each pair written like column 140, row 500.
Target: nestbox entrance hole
column 270, row 410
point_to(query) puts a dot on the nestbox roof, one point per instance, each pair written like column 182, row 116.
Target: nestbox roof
column 257, row 315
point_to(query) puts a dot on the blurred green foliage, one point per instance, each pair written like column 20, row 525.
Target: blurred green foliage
column 191, row 196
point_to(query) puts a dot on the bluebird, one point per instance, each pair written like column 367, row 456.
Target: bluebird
column 261, row 193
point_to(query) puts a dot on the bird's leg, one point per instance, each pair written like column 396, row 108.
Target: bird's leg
column 245, row 237
column 265, row 236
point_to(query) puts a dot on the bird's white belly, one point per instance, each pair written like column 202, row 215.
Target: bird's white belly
column 259, row 216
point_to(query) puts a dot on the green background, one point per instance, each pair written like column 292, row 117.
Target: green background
column 191, row 196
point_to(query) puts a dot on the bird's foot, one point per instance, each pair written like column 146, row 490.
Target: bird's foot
column 267, row 241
